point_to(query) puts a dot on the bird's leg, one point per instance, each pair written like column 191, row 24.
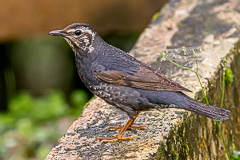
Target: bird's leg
column 131, row 126
column 120, row 135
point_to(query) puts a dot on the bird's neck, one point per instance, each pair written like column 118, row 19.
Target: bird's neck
column 83, row 64
column 85, row 60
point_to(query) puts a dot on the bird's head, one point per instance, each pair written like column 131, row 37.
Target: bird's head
column 79, row 36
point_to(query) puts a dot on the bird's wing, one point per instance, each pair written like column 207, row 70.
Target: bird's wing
column 144, row 78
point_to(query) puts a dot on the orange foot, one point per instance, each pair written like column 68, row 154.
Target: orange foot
column 119, row 127
column 122, row 129
column 114, row 139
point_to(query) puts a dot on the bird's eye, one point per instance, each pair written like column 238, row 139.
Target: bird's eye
column 78, row 32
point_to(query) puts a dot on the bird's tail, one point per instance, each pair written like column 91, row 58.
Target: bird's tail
column 212, row 112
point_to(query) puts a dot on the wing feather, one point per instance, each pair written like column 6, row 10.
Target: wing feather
column 145, row 78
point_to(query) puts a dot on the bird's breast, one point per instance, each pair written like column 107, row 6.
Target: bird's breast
column 85, row 72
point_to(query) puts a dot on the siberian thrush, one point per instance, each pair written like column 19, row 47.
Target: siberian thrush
column 125, row 82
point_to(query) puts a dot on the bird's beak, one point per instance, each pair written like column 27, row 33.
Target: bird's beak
column 57, row 33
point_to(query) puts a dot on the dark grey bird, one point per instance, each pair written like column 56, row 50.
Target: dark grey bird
column 124, row 82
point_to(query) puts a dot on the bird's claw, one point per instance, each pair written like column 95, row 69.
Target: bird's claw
column 138, row 127
column 119, row 127
column 115, row 139
column 116, row 128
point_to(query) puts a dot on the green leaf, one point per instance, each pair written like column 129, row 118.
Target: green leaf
column 155, row 16
column 193, row 52
column 163, row 53
column 228, row 76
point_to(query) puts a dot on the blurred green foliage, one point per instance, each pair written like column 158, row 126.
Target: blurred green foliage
column 32, row 125
column 122, row 41
column 236, row 155
column 41, row 63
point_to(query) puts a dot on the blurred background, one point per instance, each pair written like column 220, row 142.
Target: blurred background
column 40, row 91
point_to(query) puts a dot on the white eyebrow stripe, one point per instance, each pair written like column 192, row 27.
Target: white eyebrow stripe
column 83, row 29
column 71, row 30
column 89, row 31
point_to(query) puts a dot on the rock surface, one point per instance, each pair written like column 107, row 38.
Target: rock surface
column 171, row 133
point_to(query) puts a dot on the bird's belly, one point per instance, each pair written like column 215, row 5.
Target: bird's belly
column 122, row 96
